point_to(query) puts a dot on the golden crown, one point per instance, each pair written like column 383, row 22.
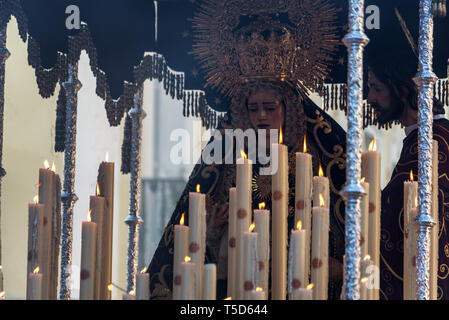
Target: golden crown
column 239, row 41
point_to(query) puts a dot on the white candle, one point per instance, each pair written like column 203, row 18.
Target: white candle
column 46, row 197
column 97, row 206
column 210, row 281
column 320, row 186
column 364, row 221
column 181, row 243
column 197, row 237
column 34, row 290
column 320, row 251
column 279, row 224
column 35, row 235
column 366, row 286
column 188, row 282
column 303, row 293
column 250, row 252
column 410, row 202
column 303, row 196
column 232, row 250
column 258, row 294
column 129, row 296
column 299, row 276
column 105, row 181
column 243, row 185
column 371, row 172
column 410, row 243
column 1, row 279
column 433, row 264
column 88, row 253
column 143, row 285
column 262, row 221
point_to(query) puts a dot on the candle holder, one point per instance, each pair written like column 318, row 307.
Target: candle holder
column 4, row 54
column 68, row 196
column 425, row 80
column 133, row 221
column 355, row 41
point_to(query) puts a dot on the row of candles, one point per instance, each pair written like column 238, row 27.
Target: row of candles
column 43, row 236
column 248, row 249
column 249, row 246
column 96, row 241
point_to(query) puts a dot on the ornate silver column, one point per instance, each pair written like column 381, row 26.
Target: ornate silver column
column 353, row 191
column 133, row 221
column 68, row 196
column 4, row 54
column 425, row 80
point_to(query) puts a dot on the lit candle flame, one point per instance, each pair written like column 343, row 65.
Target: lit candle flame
column 132, row 293
column 187, row 259
column 305, row 145
column 143, row 270
column 106, row 157
column 243, row 154
column 320, row 171
column 310, row 286
column 259, row 289
column 367, row 257
column 98, row 190
column 53, row 167
column 321, row 200
column 373, row 145
column 262, row 206
column 363, row 179
column 228, row 298
column 363, row 280
column 252, row 227
column 110, row 286
column 299, row 225
column 181, row 222
column 411, row 175
column 198, row 188
column 281, row 137
column 2, row 294
column 36, row 271
column 46, row 164
column 36, row 199
column 89, row 216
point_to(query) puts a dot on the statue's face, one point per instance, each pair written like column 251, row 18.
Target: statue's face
column 379, row 97
column 265, row 110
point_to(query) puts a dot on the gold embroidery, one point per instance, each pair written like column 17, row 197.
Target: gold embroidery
column 390, row 268
column 445, row 270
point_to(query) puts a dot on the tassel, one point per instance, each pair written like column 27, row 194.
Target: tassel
column 447, row 92
column 126, row 146
column 196, row 104
column 60, row 121
column 189, row 95
column 332, row 97
column 184, row 106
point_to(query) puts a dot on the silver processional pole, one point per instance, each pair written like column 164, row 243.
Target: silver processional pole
column 353, row 191
column 68, row 196
column 425, row 79
column 133, row 221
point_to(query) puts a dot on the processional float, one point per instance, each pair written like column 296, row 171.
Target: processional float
column 355, row 41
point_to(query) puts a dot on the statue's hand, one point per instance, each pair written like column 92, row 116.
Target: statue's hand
column 219, row 214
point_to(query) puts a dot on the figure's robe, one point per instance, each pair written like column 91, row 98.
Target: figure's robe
column 392, row 224
column 326, row 141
